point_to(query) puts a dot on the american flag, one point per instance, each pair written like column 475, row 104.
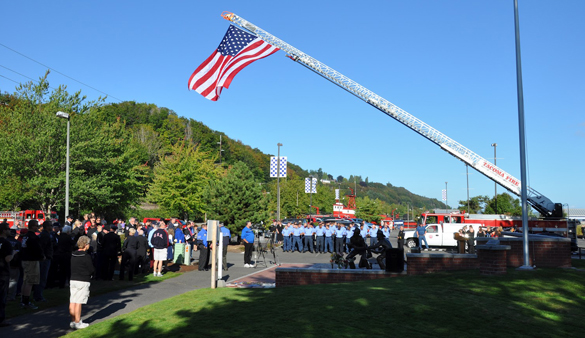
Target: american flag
column 237, row 50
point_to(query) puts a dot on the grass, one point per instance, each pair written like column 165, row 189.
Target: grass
column 540, row 303
column 56, row 296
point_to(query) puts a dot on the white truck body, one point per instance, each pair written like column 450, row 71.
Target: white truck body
column 438, row 235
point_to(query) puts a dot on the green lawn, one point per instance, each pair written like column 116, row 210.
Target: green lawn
column 540, row 303
column 56, row 296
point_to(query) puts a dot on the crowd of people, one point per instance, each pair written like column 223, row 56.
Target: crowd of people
column 325, row 236
column 51, row 255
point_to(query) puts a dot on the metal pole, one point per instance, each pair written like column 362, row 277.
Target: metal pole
column 495, row 145
column 311, row 193
column 467, row 175
column 220, row 149
column 278, row 182
column 446, row 198
column 67, row 172
column 524, row 190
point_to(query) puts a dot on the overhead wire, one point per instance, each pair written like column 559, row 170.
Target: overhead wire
column 12, row 70
column 7, row 78
column 56, row 71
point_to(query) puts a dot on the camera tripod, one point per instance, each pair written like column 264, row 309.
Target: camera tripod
column 261, row 244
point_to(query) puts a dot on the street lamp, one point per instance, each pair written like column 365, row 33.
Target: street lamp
column 495, row 184
column 63, row 115
column 278, row 181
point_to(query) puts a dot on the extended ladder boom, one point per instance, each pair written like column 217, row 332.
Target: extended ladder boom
column 541, row 203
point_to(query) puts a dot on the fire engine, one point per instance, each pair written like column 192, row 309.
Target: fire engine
column 340, row 210
column 25, row 216
column 552, row 212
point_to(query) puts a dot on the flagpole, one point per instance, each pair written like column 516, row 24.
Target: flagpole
column 524, row 190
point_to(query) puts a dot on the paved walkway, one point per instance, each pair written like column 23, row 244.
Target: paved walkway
column 54, row 322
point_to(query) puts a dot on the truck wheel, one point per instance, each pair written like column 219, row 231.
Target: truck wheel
column 411, row 243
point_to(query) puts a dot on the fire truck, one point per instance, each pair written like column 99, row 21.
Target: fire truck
column 340, row 210
column 552, row 213
column 25, row 216
column 536, row 225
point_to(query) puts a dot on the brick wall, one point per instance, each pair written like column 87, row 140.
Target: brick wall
column 421, row 263
column 307, row 276
column 543, row 252
column 492, row 259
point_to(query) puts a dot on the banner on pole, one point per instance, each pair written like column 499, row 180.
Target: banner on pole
column 444, row 194
column 336, row 194
column 308, row 188
column 274, row 166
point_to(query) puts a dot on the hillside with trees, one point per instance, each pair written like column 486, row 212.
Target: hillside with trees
column 128, row 155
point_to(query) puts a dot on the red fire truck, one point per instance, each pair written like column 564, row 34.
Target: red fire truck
column 24, row 216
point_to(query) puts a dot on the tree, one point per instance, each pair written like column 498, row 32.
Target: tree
column 339, row 179
column 368, row 209
column 476, row 204
column 507, row 205
column 236, row 198
column 104, row 168
column 181, row 179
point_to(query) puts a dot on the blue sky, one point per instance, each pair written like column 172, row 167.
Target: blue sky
column 449, row 63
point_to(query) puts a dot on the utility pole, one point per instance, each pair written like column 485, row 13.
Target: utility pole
column 220, row 150
column 446, row 197
column 467, row 175
column 495, row 145
column 278, row 181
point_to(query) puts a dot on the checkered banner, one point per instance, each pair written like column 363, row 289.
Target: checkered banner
column 308, row 185
column 274, row 166
column 444, row 194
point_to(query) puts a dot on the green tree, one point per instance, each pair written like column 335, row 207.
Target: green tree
column 236, row 198
column 507, row 205
column 104, row 173
column 476, row 204
column 181, row 178
column 368, row 209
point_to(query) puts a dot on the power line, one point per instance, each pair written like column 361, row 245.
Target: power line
column 7, row 78
column 12, row 70
column 56, row 71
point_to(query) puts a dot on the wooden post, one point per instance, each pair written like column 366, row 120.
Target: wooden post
column 212, row 225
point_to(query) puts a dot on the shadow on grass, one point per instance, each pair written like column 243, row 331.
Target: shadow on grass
column 546, row 302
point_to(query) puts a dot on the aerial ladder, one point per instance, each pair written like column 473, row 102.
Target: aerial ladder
column 538, row 201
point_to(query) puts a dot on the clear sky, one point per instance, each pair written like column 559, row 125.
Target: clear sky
column 449, row 63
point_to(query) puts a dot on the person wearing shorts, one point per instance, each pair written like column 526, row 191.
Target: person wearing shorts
column 81, row 271
column 31, row 255
column 160, row 242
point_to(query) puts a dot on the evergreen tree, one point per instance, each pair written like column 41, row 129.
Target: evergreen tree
column 181, row 179
column 236, row 198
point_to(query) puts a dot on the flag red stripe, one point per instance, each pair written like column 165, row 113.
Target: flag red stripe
column 218, row 71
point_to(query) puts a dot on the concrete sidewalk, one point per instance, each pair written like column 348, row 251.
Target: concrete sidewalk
column 54, row 322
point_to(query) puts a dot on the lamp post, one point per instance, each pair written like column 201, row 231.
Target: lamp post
column 311, row 191
column 495, row 184
column 63, row 115
column 278, row 181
